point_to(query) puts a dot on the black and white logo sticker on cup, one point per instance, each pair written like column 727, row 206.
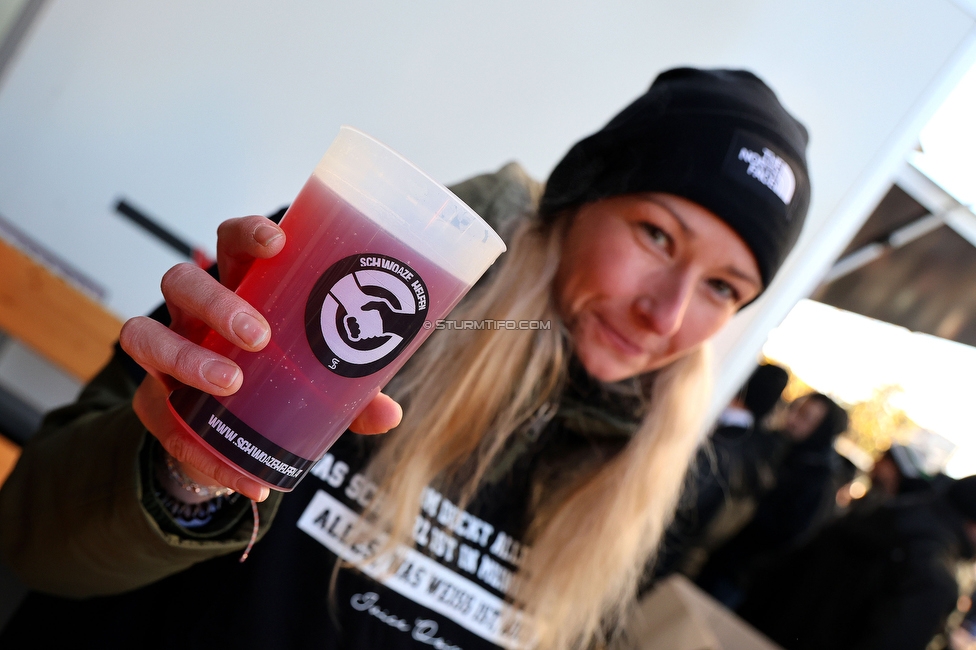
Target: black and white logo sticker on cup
column 363, row 311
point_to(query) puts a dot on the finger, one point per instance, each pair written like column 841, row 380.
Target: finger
column 379, row 416
column 196, row 459
column 160, row 350
column 195, row 294
column 241, row 241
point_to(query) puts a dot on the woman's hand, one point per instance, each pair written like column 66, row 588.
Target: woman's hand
column 171, row 356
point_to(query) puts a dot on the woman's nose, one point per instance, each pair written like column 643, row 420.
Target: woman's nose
column 663, row 305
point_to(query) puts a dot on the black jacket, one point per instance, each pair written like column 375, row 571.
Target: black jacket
column 883, row 580
column 801, row 500
column 735, row 468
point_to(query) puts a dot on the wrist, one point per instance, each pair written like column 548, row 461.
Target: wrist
column 174, row 479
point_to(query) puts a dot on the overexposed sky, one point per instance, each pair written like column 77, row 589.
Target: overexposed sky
column 849, row 356
column 949, row 143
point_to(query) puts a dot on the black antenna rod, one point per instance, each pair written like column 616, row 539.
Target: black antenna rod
column 159, row 231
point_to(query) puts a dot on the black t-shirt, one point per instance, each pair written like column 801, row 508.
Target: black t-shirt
column 447, row 591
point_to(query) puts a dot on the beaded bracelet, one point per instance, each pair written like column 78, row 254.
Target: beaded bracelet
column 185, row 482
column 192, row 516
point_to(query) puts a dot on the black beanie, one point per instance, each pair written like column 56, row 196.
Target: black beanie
column 764, row 388
column 719, row 138
column 961, row 495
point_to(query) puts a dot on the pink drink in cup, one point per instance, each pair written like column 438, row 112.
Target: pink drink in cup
column 376, row 252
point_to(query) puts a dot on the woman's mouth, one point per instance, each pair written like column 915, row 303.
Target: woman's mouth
column 617, row 340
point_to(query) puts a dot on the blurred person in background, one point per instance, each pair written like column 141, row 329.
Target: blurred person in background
column 800, row 499
column 898, row 471
column 884, row 579
column 731, row 470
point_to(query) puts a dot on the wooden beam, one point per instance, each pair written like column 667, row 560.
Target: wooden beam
column 53, row 318
column 9, row 453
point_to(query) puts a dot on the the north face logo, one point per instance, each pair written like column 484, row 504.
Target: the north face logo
column 770, row 170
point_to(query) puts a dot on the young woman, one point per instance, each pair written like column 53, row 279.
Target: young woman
column 529, row 481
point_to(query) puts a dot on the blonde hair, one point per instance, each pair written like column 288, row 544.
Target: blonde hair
column 468, row 391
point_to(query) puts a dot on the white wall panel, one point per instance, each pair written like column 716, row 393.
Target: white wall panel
column 202, row 110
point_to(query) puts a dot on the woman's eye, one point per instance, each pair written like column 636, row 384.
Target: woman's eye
column 657, row 236
column 724, row 290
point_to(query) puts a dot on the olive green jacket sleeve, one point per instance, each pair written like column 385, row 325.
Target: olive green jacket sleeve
column 74, row 519
column 76, row 514
column 503, row 198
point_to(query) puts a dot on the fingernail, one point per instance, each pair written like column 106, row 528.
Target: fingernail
column 252, row 489
column 249, row 329
column 220, row 373
column 265, row 234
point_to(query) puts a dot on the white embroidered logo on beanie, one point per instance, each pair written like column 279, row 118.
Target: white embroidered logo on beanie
column 770, row 170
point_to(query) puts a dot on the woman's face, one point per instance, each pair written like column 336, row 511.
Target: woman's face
column 803, row 418
column 645, row 278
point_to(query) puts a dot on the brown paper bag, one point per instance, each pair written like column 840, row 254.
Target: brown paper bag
column 677, row 615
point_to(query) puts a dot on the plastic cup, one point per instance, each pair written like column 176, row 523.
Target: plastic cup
column 376, row 252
